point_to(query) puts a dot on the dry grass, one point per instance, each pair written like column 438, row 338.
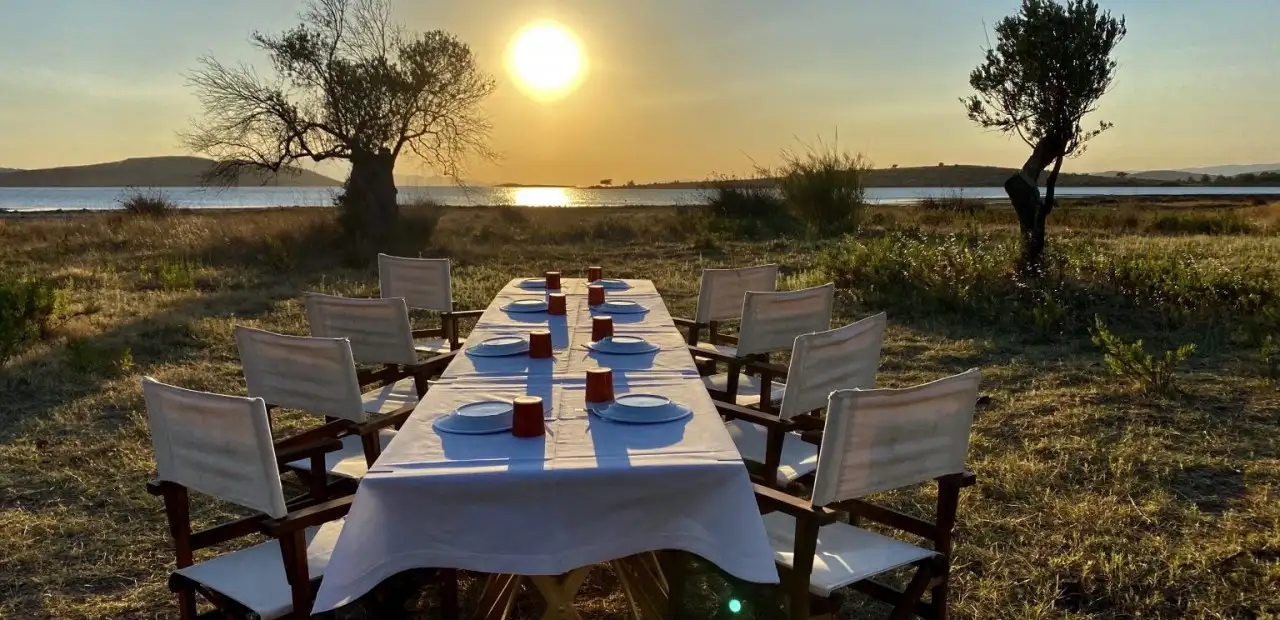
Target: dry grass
column 1092, row 502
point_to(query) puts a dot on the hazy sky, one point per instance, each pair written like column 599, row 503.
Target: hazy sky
column 675, row 89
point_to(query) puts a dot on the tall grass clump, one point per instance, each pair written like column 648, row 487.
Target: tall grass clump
column 749, row 209
column 824, row 186
column 27, row 309
column 970, row 278
column 149, row 202
column 951, row 201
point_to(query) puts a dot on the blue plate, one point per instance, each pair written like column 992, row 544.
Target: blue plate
column 623, row 345
column 612, row 285
column 527, row 305
column 501, row 346
column 479, row 418
column 642, row 409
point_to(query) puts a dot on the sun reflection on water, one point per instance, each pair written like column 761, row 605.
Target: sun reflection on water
column 540, row 197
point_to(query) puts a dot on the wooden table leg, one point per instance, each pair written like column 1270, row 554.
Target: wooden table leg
column 674, row 568
column 497, row 597
column 559, row 592
column 642, row 582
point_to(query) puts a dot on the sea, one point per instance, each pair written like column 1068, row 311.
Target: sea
column 108, row 198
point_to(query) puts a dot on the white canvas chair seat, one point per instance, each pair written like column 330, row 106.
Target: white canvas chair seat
column 391, row 397
column 748, row 388
column 350, row 461
column 723, row 349
column 845, row 554
column 799, row 458
column 255, row 577
column 434, row 346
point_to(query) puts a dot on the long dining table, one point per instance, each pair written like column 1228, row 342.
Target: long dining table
column 544, row 510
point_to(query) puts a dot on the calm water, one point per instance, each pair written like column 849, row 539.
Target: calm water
column 100, row 198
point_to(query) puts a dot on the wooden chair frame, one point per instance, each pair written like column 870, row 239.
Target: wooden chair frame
column 306, row 511
column 757, row 365
column 368, row 430
column 931, row 577
column 449, row 327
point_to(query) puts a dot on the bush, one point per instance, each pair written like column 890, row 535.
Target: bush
column 952, row 201
column 1149, row 374
column 741, row 200
column 170, row 275
column 88, row 358
column 149, row 202
column 27, row 309
column 1221, row 223
column 823, row 186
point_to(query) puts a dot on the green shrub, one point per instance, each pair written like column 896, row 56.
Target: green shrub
column 149, row 202
column 740, row 200
column 952, row 201
column 86, row 357
column 170, row 275
column 824, row 187
column 1130, row 360
column 1269, row 355
column 27, row 309
column 1219, row 223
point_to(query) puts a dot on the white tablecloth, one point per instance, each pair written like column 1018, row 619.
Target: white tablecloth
column 587, row 492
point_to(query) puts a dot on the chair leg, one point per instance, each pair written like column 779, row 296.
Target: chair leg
column 448, row 588
column 914, row 591
column 293, row 550
column 186, row 604
column 939, row 601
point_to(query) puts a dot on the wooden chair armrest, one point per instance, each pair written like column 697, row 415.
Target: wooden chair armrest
column 383, row 376
column 332, row 430
column 690, row 323
column 777, row 372
column 300, row 451
column 310, row 516
column 437, row 362
column 813, row 437
column 726, row 339
column 465, row 314
column 431, row 332
column 966, row 478
column 771, row 500
column 738, row 412
column 806, row 422
column 379, row 422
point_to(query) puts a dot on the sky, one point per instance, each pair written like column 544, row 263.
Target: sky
column 673, row 89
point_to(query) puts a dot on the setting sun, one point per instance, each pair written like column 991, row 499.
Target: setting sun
column 546, row 60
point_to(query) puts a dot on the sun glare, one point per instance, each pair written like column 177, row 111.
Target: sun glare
column 546, row 61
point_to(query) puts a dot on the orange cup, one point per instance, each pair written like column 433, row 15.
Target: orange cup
column 555, row 304
column 601, row 327
column 594, row 274
column 540, row 344
column 527, row 417
column 599, row 385
column 553, row 280
column 595, row 295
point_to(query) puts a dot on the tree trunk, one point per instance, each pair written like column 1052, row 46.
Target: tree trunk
column 1024, row 192
column 371, row 194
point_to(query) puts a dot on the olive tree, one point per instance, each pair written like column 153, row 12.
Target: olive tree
column 348, row 83
column 1050, row 65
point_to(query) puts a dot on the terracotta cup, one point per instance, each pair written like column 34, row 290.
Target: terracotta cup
column 553, row 280
column 527, row 418
column 601, row 327
column 556, row 304
column 594, row 274
column 599, row 385
column 595, row 295
column 540, row 344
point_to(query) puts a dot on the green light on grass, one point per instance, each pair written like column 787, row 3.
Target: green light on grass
column 735, row 605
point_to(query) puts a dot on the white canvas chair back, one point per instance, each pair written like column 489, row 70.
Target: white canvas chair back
column 423, row 283
column 378, row 329
column 721, row 292
column 217, row 445
column 315, row 375
column 845, row 358
column 772, row 321
column 878, row 440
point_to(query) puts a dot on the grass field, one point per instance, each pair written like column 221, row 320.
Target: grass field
column 1093, row 501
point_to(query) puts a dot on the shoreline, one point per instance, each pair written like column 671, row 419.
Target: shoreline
column 1099, row 200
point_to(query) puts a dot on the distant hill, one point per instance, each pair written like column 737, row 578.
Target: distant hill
column 956, row 176
column 1156, row 175
column 1234, row 170
column 150, row 172
column 4, row 170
